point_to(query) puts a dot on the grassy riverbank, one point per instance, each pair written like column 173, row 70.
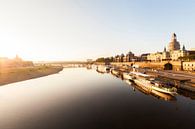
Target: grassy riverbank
column 10, row 75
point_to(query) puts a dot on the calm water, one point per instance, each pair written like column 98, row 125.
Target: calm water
column 78, row 98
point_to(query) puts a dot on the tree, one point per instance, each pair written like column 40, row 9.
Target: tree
column 101, row 59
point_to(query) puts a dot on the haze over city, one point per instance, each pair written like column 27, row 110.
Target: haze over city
column 81, row 29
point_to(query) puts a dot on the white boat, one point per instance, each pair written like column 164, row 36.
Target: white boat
column 103, row 68
column 163, row 96
column 145, row 80
column 127, row 76
column 172, row 90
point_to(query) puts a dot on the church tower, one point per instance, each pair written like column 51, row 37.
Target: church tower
column 174, row 44
column 183, row 48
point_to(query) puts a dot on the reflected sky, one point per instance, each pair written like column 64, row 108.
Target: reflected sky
column 78, row 98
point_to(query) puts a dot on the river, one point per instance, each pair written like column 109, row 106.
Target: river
column 77, row 98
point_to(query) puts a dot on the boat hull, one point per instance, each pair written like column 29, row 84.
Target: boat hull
column 115, row 72
column 152, row 87
column 127, row 76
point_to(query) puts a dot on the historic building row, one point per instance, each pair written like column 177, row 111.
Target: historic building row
column 173, row 53
column 124, row 58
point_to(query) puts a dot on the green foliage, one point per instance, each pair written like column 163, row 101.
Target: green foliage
column 101, row 59
column 107, row 59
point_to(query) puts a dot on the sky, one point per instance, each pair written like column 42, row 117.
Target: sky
column 51, row 30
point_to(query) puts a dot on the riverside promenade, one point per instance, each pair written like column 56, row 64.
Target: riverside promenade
column 181, row 79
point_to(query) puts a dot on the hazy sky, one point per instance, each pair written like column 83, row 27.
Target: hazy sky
column 81, row 29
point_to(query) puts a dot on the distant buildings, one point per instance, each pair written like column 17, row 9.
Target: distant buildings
column 16, row 62
column 89, row 60
column 124, row 58
column 174, row 52
column 143, row 57
column 176, row 56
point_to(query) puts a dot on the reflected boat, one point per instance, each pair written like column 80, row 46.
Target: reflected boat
column 128, row 82
column 163, row 96
column 99, row 71
column 88, row 67
column 186, row 93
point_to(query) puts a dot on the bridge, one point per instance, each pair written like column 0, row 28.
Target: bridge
column 65, row 63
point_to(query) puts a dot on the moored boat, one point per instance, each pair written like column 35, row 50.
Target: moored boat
column 103, row 68
column 128, row 76
column 164, row 89
column 149, row 82
column 115, row 72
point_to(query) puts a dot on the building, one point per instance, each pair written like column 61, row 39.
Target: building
column 191, row 52
column 189, row 66
column 174, row 52
column 155, row 56
column 174, row 55
column 124, row 58
column 174, row 44
column 143, row 57
column 128, row 57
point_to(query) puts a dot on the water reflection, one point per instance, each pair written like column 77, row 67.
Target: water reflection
column 147, row 91
column 186, row 93
column 80, row 98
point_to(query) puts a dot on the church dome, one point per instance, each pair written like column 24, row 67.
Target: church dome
column 174, row 44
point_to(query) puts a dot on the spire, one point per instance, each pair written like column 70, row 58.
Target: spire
column 165, row 49
column 183, row 48
column 174, row 37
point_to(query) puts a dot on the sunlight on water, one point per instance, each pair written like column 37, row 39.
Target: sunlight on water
column 77, row 98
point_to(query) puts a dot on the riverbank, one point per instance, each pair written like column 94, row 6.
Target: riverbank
column 181, row 79
column 11, row 75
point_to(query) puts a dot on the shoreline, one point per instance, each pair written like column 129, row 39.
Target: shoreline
column 12, row 75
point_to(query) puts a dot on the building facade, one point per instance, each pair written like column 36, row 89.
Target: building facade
column 189, row 66
column 124, row 58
